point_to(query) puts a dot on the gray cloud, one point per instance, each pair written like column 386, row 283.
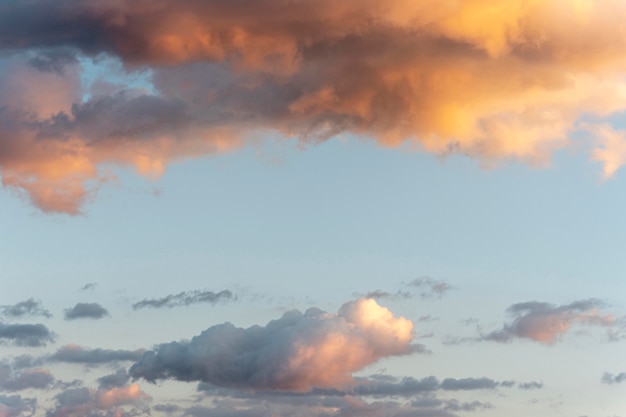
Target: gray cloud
column 29, row 307
column 78, row 354
column 30, row 378
column 86, row 311
column 452, row 384
column 547, row 323
column 118, row 379
column 97, row 403
column 16, row 406
column 610, row 379
column 530, row 385
column 297, row 352
column 185, row 298
column 431, row 288
column 89, row 286
column 32, row 335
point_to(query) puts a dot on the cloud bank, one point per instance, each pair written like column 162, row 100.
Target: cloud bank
column 489, row 79
column 298, row 352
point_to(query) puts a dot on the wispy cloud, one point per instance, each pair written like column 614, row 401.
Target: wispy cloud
column 547, row 323
column 610, row 379
column 26, row 308
column 186, row 298
column 92, row 311
column 297, row 352
column 395, row 71
column 78, row 354
column 431, row 288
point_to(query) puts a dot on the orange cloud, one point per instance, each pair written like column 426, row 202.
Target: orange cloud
column 489, row 79
column 297, row 352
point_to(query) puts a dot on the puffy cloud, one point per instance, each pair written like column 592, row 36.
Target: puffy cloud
column 297, row 352
column 32, row 335
column 185, row 298
column 530, row 385
column 547, row 323
column 86, row 311
column 118, row 379
column 30, row 307
column 78, row 354
column 489, row 79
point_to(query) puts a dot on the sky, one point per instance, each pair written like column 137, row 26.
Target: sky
column 311, row 208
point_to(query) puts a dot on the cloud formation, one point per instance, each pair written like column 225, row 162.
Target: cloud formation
column 32, row 335
column 185, row 298
column 78, row 354
column 492, row 80
column 92, row 311
column 547, row 323
column 298, row 352
column 25, row 308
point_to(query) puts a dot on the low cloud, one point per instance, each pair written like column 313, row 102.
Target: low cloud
column 26, row 308
column 298, row 352
column 92, row 311
column 547, row 323
column 78, row 354
column 31, row 335
column 186, row 298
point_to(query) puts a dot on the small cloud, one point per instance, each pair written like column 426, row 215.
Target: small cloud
column 78, row 354
column 29, row 307
column 86, row 311
column 547, row 323
column 611, row 379
column 31, row 335
column 28, row 379
column 530, row 385
column 90, row 286
column 118, row 379
column 186, row 298
column 452, row 384
column 431, row 288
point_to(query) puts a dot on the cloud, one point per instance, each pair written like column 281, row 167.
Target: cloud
column 29, row 307
column 493, row 81
column 431, row 287
column 530, row 385
column 90, row 286
column 452, row 384
column 31, row 378
column 78, row 354
column 85, row 402
column 297, row 352
column 86, row 311
column 185, row 298
column 610, row 379
column 16, row 405
column 31, row 335
column 118, row 379
column 547, row 323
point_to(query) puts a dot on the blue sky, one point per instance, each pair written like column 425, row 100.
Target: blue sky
column 418, row 213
